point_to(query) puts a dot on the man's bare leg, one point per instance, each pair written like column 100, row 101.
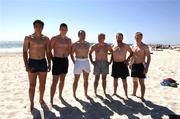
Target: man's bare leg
column 42, row 82
column 75, row 84
column 53, row 87
column 32, row 85
column 96, row 83
column 141, row 81
column 85, row 76
column 135, row 86
column 124, row 81
column 115, row 85
column 61, row 85
column 104, row 84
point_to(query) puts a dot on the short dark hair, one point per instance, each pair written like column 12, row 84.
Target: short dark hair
column 81, row 31
column 119, row 34
column 139, row 33
column 63, row 25
column 38, row 22
column 101, row 34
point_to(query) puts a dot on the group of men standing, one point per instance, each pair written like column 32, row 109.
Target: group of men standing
column 39, row 51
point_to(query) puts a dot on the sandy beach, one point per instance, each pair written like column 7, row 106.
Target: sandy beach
column 160, row 101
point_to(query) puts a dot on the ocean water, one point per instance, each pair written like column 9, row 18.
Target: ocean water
column 11, row 46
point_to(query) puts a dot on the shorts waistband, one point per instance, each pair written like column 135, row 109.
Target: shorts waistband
column 119, row 62
column 60, row 57
column 80, row 59
column 138, row 64
column 44, row 59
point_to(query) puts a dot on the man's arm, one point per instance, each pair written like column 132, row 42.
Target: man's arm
column 131, row 60
column 72, row 52
column 25, row 52
column 130, row 53
column 90, row 54
column 48, row 53
column 147, row 53
column 52, row 42
column 69, row 46
column 110, row 50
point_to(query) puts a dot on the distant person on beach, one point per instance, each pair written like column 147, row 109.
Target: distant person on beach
column 120, row 62
column 36, row 49
column 81, row 62
column 101, row 63
column 61, row 46
column 139, row 64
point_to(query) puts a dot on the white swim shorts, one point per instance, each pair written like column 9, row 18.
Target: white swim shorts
column 81, row 65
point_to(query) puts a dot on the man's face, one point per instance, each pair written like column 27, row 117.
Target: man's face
column 38, row 28
column 63, row 30
column 101, row 39
column 119, row 38
column 138, row 38
column 82, row 36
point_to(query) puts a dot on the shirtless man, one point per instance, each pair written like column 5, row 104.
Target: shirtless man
column 120, row 63
column 35, row 51
column 61, row 46
column 139, row 64
column 101, row 64
column 81, row 63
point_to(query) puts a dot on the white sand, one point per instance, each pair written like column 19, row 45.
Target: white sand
column 160, row 101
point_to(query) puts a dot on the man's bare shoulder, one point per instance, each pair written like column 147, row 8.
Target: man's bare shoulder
column 68, row 39
column 87, row 43
column 108, row 45
column 94, row 45
column 75, row 44
column 126, row 45
column 45, row 38
column 55, row 37
column 28, row 38
column 145, row 46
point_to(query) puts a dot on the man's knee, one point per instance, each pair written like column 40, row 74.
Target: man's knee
column 135, row 82
column 32, row 86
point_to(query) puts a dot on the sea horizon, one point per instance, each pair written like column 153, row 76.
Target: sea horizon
column 16, row 46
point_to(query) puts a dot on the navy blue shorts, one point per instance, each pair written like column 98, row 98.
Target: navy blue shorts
column 60, row 65
column 37, row 65
column 119, row 70
column 138, row 71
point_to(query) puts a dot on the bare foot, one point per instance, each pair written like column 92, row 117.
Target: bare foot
column 126, row 97
column 61, row 98
column 95, row 94
column 41, row 102
column 75, row 97
column 114, row 94
column 87, row 96
column 133, row 94
column 43, row 105
column 106, row 94
column 142, row 99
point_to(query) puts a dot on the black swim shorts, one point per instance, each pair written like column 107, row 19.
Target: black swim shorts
column 60, row 65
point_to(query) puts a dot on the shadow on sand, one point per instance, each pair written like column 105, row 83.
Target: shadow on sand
column 95, row 110
column 131, row 108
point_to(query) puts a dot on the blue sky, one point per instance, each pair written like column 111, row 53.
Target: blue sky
column 158, row 20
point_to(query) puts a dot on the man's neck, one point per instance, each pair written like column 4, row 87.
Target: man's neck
column 138, row 44
column 81, row 41
column 63, row 36
column 37, row 34
column 101, row 44
column 119, row 43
